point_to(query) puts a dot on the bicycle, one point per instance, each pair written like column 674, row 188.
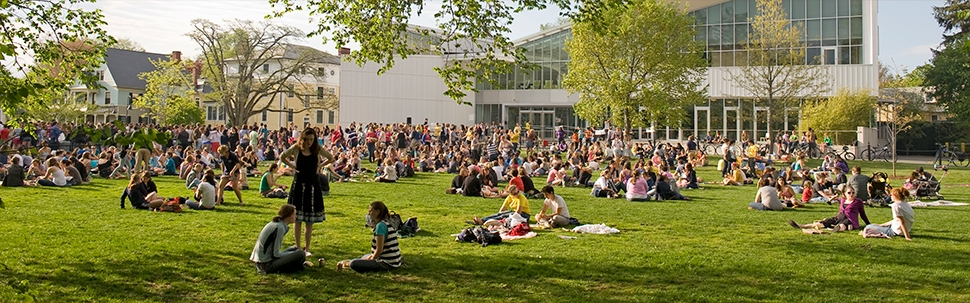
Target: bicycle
column 952, row 157
column 811, row 150
column 845, row 154
column 879, row 152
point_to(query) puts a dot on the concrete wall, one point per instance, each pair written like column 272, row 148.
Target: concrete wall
column 410, row 89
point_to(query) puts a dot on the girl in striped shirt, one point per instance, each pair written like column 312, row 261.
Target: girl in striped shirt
column 385, row 254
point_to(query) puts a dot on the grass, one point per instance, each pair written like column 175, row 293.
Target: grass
column 64, row 245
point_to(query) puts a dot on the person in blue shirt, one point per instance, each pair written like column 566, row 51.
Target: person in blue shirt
column 170, row 169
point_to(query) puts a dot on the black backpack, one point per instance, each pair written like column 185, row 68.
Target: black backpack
column 486, row 237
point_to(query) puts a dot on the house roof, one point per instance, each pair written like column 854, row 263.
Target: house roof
column 125, row 66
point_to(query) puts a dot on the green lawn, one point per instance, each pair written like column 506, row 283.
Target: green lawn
column 62, row 245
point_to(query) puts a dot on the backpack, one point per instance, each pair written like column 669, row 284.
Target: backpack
column 412, row 223
column 394, row 221
column 170, row 206
column 486, row 237
column 467, row 235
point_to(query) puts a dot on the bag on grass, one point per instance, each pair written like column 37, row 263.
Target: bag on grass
column 486, row 237
column 171, row 206
column 412, row 223
column 467, row 235
column 394, row 220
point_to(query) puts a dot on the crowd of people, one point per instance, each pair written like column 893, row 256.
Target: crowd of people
column 482, row 157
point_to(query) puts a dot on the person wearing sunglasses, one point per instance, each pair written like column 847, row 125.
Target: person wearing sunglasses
column 850, row 209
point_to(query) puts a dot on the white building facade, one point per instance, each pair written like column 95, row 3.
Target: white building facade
column 840, row 35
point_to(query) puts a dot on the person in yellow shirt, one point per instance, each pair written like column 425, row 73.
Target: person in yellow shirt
column 514, row 137
column 736, row 177
column 514, row 203
column 751, row 153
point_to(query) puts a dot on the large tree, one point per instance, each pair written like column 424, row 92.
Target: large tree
column 633, row 72
column 947, row 78
column 776, row 72
column 470, row 31
column 36, row 33
column 234, row 56
column 168, row 94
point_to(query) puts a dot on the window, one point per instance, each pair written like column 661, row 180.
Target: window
column 319, row 117
column 215, row 113
column 330, row 116
column 319, row 93
column 100, row 75
column 331, row 91
column 107, row 98
column 321, row 72
column 289, row 115
column 290, row 91
column 935, row 118
column 265, row 113
column 265, row 68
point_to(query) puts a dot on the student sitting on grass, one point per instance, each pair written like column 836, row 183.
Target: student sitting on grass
column 902, row 221
column 390, row 173
column 205, row 193
column 55, row 175
column 558, row 213
column 666, row 192
column 637, row 188
column 72, row 172
column 735, row 177
column 15, row 174
column 268, row 254
column 689, row 179
column 514, row 203
column 194, row 176
column 850, row 209
column 268, row 182
column 767, row 197
column 385, row 253
column 602, row 188
column 139, row 196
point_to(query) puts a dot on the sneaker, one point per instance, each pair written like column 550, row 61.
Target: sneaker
column 308, row 254
column 793, row 224
column 260, row 268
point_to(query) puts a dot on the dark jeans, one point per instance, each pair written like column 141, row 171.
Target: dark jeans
column 361, row 265
column 503, row 215
column 46, row 182
column 291, row 261
column 196, row 205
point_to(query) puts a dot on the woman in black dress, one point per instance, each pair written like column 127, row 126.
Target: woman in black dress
column 305, row 193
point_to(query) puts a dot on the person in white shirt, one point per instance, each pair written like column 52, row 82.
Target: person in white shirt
column 554, row 211
column 205, row 194
column 902, row 222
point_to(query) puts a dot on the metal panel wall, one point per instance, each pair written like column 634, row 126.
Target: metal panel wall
column 851, row 77
column 410, row 89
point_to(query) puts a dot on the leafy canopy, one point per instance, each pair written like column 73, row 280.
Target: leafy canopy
column 633, row 72
column 844, row 111
column 169, row 94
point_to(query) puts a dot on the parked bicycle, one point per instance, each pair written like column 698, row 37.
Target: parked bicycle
column 812, row 151
column 879, row 152
column 845, row 153
column 952, row 157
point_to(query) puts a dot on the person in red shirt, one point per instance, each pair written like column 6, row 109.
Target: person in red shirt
column 516, row 181
column 4, row 133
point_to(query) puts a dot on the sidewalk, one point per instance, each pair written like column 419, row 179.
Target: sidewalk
column 928, row 160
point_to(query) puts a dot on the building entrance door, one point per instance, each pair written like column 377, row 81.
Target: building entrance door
column 702, row 121
column 732, row 123
column 542, row 121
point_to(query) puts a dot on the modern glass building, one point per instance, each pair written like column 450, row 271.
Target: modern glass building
column 840, row 35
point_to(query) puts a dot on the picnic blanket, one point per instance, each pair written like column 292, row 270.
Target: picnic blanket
column 599, row 229
column 936, row 203
column 507, row 237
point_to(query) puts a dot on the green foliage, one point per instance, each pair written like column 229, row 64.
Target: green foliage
column 473, row 32
column 633, row 72
column 712, row 249
column 775, row 72
column 168, row 94
column 948, row 77
column 844, row 111
column 953, row 18
column 57, row 34
column 245, row 90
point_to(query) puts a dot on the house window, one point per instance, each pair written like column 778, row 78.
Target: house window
column 265, row 113
column 107, row 98
column 319, row 93
column 330, row 117
column 935, row 118
column 319, row 117
column 289, row 116
column 101, row 75
column 290, row 91
column 306, row 120
column 215, row 113
column 321, row 72
column 92, row 98
column 265, row 68
column 331, row 91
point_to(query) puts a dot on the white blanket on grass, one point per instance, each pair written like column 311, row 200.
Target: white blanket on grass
column 599, row 229
column 936, row 203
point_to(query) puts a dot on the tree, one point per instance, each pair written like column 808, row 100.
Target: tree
column 947, row 77
column 234, row 57
column 559, row 22
column 899, row 107
column 470, row 31
column 53, row 104
column 633, row 72
column 35, row 32
column 776, row 72
column 128, row 44
column 846, row 110
column 168, row 94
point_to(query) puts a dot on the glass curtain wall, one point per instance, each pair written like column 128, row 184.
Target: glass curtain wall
column 549, row 56
column 833, row 30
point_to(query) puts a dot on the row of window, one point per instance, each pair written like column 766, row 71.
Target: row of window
column 320, row 72
column 813, row 55
column 741, row 11
column 218, row 113
column 822, row 32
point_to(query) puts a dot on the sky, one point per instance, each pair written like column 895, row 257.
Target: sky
column 907, row 30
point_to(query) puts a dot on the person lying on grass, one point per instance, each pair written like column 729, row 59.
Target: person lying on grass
column 268, row 253
column 385, row 253
column 514, row 203
column 767, row 197
column 850, row 209
column 902, row 221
